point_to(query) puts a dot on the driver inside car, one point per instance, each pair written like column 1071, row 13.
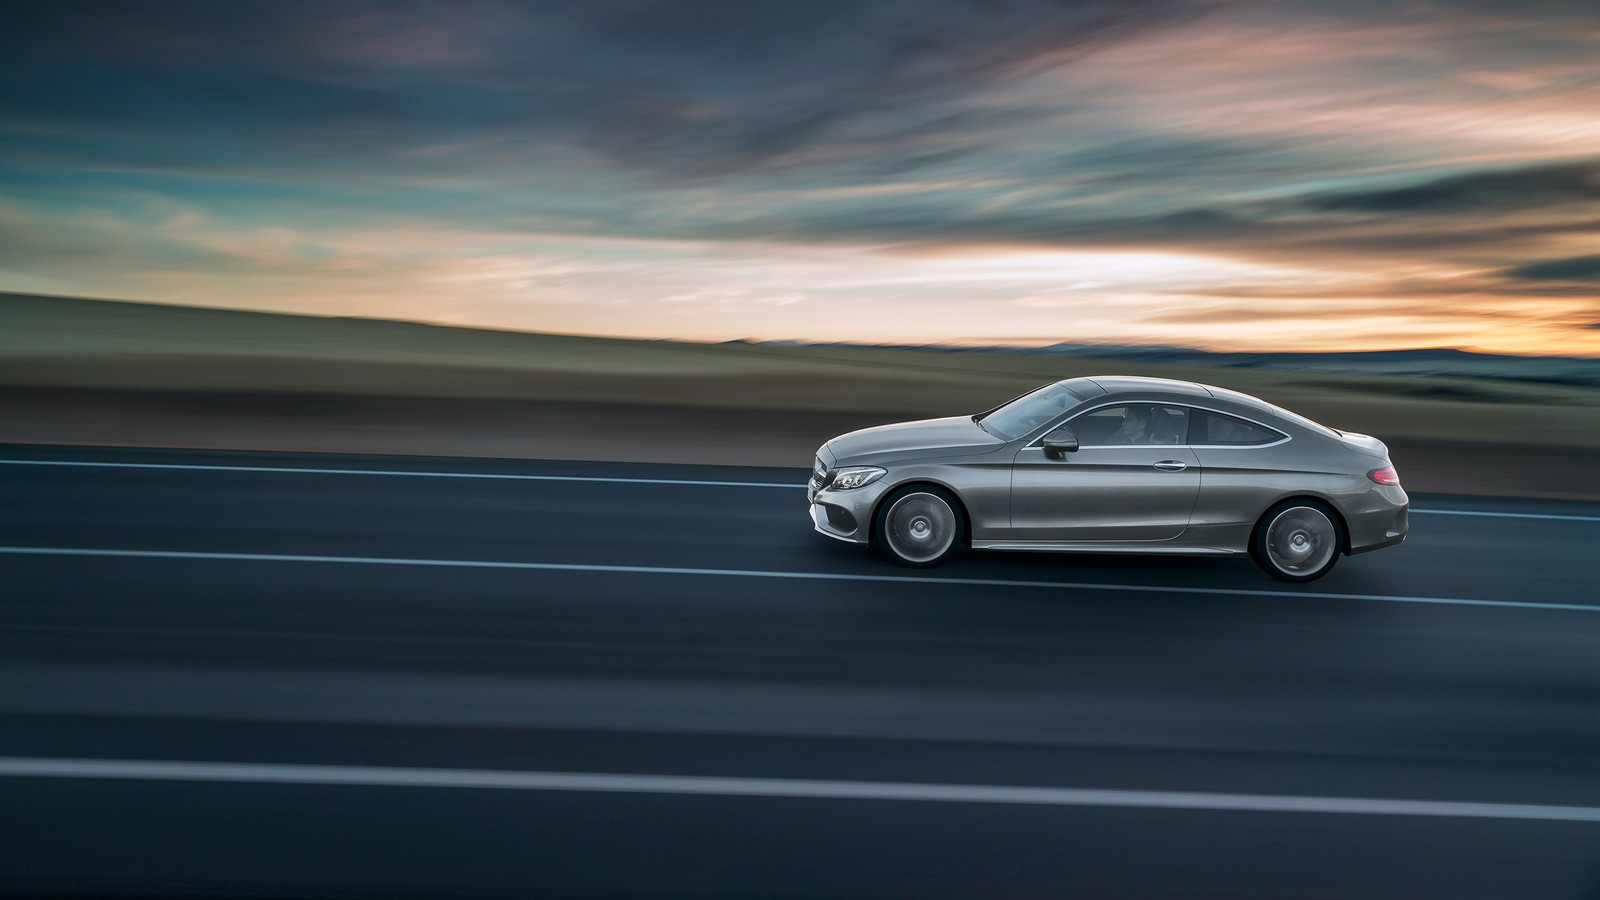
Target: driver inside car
column 1135, row 427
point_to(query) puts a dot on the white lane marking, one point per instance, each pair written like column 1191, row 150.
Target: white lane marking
column 813, row 789
column 394, row 473
column 1505, row 515
column 763, row 573
column 603, row 480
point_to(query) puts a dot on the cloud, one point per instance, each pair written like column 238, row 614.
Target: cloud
column 671, row 86
column 1498, row 217
column 1440, row 153
column 1576, row 268
column 1532, row 187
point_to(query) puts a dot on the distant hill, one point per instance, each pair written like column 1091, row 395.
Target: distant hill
column 35, row 325
column 1438, row 361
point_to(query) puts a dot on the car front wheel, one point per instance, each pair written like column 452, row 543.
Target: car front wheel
column 918, row 525
column 1298, row 540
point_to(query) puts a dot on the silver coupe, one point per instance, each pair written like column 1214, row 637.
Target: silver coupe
column 1114, row 465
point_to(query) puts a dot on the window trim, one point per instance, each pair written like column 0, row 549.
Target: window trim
column 1282, row 438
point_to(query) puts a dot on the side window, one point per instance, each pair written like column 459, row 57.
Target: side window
column 1134, row 423
column 1216, row 428
column 1097, row 428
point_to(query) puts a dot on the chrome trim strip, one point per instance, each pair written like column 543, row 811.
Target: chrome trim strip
column 1286, row 439
column 848, row 539
column 1039, row 441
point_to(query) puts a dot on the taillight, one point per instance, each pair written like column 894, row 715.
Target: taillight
column 1385, row 475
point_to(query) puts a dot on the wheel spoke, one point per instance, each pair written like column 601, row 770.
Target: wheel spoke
column 920, row 527
column 1301, row 540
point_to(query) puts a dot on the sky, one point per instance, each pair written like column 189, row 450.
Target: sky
column 1302, row 176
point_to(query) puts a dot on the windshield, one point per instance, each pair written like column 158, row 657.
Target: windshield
column 1027, row 412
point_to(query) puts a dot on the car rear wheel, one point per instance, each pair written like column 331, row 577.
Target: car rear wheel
column 918, row 525
column 1298, row 540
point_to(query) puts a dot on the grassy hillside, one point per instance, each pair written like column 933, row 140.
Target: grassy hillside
column 113, row 372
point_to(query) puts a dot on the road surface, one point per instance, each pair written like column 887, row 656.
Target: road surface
column 370, row 676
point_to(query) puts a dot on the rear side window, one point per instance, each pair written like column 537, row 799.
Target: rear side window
column 1215, row 428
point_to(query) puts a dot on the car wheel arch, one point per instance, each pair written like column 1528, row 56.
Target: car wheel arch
column 961, row 502
column 1319, row 500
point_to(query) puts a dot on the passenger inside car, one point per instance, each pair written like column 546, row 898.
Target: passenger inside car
column 1163, row 429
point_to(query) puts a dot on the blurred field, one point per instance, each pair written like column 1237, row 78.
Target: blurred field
column 102, row 372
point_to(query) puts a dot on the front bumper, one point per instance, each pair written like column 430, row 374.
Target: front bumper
column 844, row 515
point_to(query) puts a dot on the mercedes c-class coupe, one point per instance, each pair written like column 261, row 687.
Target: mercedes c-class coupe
column 1114, row 465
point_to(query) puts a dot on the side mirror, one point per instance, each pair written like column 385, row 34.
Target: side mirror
column 1060, row 442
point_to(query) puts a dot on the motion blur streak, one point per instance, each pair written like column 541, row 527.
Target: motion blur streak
column 758, row 573
column 1504, row 515
column 165, row 770
column 308, row 471
column 301, row 470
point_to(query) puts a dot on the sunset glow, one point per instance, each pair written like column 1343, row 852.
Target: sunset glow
column 1291, row 176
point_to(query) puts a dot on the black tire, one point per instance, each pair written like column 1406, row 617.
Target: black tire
column 1298, row 540
column 919, row 525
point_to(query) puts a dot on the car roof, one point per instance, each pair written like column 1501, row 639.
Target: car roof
column 1145, row 388
column 1131, row 384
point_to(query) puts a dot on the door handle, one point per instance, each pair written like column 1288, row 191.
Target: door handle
column 1172, row 465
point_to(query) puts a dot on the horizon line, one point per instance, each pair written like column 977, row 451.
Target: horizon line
column 976, row 345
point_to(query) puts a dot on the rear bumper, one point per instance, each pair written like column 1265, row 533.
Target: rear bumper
column 1381, row 519
column 1386, row 542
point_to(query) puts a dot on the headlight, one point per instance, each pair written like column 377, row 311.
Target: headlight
column 854, row 477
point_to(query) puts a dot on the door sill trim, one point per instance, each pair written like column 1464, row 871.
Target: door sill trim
column 1159, row 547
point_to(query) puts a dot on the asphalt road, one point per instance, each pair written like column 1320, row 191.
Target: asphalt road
column 219, row 680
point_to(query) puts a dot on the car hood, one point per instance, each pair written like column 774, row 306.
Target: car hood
column 911, row 440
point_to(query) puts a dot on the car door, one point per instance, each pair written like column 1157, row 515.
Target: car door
column 1247, row 465
column 1122, row 484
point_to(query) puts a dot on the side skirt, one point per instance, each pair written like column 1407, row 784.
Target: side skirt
column 1159, row 548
